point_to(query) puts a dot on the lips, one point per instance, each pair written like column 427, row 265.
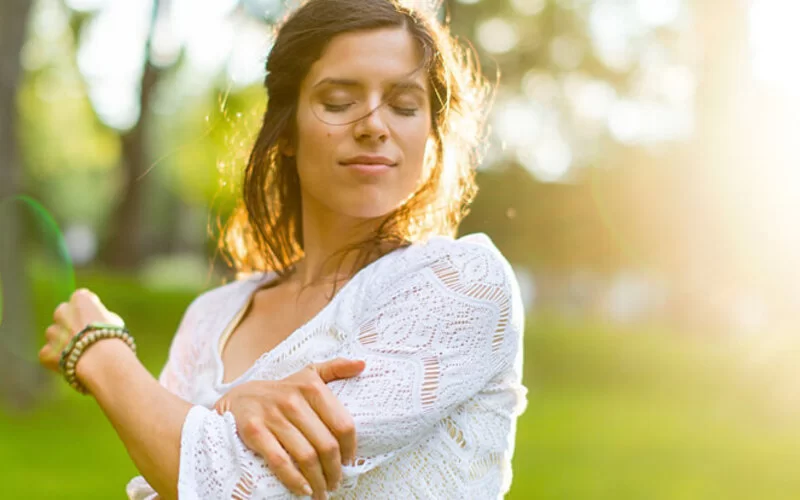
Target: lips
column 369, row 160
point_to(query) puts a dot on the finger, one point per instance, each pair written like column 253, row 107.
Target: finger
column 338, row 368
column 222, row 405
column 326, row 445
column 84, row 294
column 46, row 357
column 301, row 450
column 53, row 334
column 63, row 316
column 44, row 353
column 85, row 300
column 335, row 416
column 259, row 439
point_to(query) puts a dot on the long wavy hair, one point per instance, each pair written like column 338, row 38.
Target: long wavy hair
column 265, row 232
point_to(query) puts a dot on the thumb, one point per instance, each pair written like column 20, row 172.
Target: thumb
column 338, row 368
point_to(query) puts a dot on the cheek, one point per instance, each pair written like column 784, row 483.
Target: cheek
column 315, row 140
column 416, row 137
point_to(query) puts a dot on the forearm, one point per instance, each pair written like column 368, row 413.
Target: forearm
column 147, row 417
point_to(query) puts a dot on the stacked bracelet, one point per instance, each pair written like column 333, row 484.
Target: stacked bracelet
column 74, row 340
column 81, row 341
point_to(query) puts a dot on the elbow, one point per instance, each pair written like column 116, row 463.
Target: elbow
column 165, row 490
column 167, row 494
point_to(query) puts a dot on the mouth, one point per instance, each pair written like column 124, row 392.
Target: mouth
column 369, row 166
column 369, row 161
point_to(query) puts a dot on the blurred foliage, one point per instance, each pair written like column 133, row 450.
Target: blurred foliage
column 64, row 147
column 199, row 132
column 659, row 409
column 215, row 134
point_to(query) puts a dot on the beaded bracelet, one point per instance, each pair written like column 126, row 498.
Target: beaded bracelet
column 74, row 340
column 81, row 341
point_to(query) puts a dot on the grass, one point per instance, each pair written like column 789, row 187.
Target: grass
column 647, row 415
column 612, row 413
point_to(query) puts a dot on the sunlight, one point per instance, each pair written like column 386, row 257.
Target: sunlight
column 497, row 35
column 110, row 57
column 658, row 12
column 774, row 39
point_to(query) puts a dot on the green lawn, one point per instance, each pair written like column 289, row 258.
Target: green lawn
column 611, row 414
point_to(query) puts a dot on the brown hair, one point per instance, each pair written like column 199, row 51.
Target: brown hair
column 265, row 233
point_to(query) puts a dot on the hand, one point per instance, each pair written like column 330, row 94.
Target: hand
column 298, row 419
column 69, row 318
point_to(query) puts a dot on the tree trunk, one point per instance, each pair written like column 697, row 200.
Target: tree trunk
column 125, row 247
column 21, row 380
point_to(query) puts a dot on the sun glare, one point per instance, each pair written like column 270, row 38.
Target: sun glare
column 774, row 39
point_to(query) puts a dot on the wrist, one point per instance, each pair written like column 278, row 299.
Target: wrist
column 98, row 357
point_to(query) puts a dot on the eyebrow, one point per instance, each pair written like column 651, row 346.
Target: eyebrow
column 345, row 82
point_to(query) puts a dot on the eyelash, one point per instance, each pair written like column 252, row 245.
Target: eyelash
column 405, row 111
column 338, row 108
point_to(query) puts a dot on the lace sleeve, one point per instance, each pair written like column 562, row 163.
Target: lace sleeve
column 176, row 375
column 214, row 463
column 433, row 338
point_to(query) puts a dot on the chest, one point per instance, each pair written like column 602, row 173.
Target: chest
column 271, row 316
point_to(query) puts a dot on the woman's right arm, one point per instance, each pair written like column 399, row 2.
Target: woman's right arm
column 432, row 338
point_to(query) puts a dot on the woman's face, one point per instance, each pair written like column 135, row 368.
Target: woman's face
column 350, row 161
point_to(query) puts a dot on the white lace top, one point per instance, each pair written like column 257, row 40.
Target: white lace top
column 440, row 327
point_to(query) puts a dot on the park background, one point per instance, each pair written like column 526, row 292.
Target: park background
column 642, row 177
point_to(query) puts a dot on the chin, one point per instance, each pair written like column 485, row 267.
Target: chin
column 368, row 211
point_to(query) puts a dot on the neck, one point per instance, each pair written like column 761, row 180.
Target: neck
column 324, row 234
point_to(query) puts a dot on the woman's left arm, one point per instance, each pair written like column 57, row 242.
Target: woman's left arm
column 147, row 417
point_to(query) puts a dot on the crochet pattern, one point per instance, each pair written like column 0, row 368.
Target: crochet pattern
column 439, row 325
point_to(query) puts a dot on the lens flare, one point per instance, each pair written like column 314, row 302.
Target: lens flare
column 37, row 272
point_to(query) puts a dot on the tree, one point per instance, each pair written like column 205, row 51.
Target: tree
column 21, row 380
column 124, row 249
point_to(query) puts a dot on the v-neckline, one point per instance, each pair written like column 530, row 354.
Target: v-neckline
column 268, row 278
column 238, row 315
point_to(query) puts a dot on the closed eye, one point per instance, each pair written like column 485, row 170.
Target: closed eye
column 337, row 108
column 405, row 111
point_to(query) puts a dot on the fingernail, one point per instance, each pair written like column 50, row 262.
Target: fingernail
column 307, row 490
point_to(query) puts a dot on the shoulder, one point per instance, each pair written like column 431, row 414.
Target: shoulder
column 469, row 268
column 463, row 289
column 474, row 256
column 470, row 259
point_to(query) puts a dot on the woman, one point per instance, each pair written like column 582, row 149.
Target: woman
column 368, row 353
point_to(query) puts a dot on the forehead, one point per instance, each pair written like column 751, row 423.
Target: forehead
column 370, row 57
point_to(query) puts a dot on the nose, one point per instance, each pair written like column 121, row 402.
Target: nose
column 373, row 126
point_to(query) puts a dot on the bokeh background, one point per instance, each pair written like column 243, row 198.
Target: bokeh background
column 643, row 178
